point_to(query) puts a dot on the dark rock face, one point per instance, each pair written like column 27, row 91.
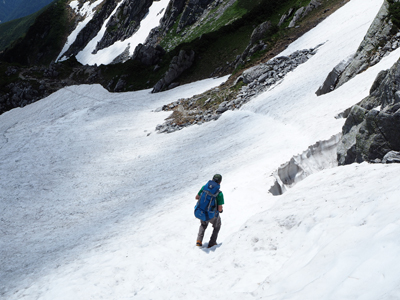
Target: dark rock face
column 148, row 55
column 192, row 11
column 256, row 43
column 91, row 29
column 380, row 40
column 125, row 22
column 370, row 133
column 333, row 77
column 174, row 9
column 177, row 66
column 35, row 83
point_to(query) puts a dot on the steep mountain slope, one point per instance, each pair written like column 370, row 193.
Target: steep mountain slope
column 95, row 204
column 13, row 30
column 226, row 37
column 15, row 9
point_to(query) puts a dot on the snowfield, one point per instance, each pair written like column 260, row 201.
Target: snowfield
column 96, row 205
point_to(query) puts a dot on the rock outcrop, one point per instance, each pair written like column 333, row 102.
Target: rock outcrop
column 255, row 81
column 188, row 16
column 125, row 22
column 372, row 129
column 148, row 55
column 178, row 65
column 333, row 77
column 193, row 10
column 256, row 43
column 91, row 29
column 378, row 42
column 301, row 12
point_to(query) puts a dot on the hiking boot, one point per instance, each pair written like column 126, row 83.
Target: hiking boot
column 199, row 244
column 211, row 244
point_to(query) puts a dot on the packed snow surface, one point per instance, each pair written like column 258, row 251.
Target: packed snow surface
column 96, row 205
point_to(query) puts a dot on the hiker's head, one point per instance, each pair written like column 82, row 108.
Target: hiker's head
column 217, row 178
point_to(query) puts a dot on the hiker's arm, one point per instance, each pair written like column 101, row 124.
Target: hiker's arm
column 199, row 193
column 220, row 208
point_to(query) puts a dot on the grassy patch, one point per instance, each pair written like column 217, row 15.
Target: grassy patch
column 13, row 30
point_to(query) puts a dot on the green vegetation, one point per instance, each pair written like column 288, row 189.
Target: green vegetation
column 394, row 12
column 44, row 39
column 239, row 9
column 13, row 30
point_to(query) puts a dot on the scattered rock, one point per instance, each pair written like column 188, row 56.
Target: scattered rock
column 258, row 79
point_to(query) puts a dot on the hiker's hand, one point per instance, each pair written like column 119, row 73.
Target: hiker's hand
column 221, row 211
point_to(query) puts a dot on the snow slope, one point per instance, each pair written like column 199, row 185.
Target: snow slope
column 107, row 55
column 96, row 205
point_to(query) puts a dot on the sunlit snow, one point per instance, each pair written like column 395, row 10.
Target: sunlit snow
column 87, row 12
column 107, row 55
column 96, row 205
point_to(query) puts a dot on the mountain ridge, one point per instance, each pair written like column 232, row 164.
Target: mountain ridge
column 205, row 62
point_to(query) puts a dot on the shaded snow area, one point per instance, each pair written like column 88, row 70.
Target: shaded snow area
column 106, row 56
column 96, row 205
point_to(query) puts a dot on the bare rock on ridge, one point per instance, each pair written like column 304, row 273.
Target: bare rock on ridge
column 303, row 11
column 378, row 42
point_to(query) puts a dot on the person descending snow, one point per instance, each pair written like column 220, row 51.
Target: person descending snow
column 210, row 190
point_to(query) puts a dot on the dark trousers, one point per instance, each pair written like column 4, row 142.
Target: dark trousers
column 216, row 223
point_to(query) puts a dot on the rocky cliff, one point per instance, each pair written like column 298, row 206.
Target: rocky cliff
column 372, row 128
column 382, row 37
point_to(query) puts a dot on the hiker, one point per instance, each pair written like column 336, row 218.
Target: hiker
column 212, row 189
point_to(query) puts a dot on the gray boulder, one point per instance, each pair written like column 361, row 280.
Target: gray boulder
column 148, row 55
column 330, row 82
column 255, row 72
column 296, row 17
column 259, row 32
